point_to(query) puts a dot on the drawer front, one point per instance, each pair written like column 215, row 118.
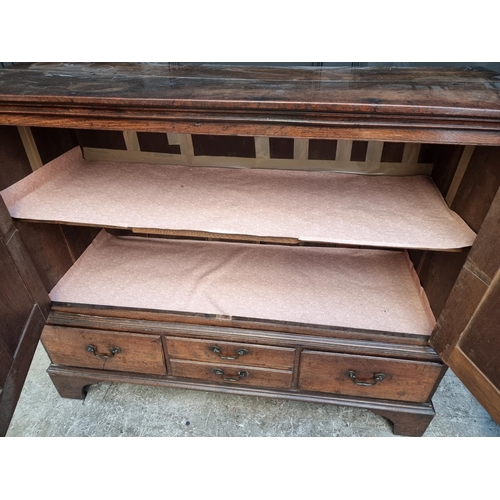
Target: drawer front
column 368, row 376
column 230, row 374
column 104, row 350
column 210, row 351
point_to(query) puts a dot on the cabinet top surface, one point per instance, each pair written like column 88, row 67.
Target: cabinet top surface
column 441, row 91
column 460, row 106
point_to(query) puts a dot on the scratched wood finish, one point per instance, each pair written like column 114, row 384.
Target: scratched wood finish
column 403, row 380
column 418, row 105
column 251, row 355
column 118, row 313
column 232, row 374
column 138, row 353
column 410, row 419
column 347, row 343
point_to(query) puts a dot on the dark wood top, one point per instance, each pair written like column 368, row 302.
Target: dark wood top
column 411, row 104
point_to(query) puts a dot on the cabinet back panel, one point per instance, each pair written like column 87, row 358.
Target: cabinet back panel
column 366, row 157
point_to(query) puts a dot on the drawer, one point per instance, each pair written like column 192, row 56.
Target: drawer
column 348, row 375
column 211, row 351
column 231, row 374
column 94, row 349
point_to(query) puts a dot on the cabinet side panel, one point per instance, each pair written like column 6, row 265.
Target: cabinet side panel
column 478, row 187
column 54, row 248
column 471, row 287
column 15, row 302
column 438, row 274
column 446, row 158
column 47, row 246
column 13, row 159
column 485, row 254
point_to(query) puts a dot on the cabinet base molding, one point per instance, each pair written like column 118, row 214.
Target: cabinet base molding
column 409, row 419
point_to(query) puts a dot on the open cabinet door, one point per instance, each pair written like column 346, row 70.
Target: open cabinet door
column 467, row 334
column 24, row 307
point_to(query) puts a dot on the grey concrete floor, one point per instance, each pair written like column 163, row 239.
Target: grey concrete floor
column 133, row 410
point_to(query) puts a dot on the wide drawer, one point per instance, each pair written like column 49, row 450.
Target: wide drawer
column 368, row 376
column 230, row 353
column 104, row 350
column 230, row 374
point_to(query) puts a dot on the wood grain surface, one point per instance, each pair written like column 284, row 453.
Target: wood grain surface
column 240, row 374
column 396, row 104
column 138, row 353
column 255, row 355
column 403, row 380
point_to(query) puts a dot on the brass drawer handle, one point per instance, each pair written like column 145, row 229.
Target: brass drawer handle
column 93, row 349
column 218, row 350
column 241, row 374
column 377, row 378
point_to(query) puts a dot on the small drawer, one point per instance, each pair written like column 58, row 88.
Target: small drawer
column 367, row 376
column 230, row 374
column 104, row 350
column 211, row 351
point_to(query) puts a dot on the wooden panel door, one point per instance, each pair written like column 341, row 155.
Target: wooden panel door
column 24, row 304
column 467, row 334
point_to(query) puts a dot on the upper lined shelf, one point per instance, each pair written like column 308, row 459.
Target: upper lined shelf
column 320, row 207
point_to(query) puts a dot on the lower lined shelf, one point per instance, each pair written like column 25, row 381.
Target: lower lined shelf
column 352, row 288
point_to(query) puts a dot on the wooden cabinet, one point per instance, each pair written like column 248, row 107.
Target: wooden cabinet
column 357, row 226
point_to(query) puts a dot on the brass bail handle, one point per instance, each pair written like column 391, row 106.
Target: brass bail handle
column 93, row 349
column 218, row 350
column 377, row 378
column 241, row 374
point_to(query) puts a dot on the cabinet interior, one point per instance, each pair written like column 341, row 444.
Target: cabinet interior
column 368, row 265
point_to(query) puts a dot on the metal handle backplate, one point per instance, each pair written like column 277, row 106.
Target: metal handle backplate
column 378, row 377
column 218, row 350
column 241, row 374
column 93, row 349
